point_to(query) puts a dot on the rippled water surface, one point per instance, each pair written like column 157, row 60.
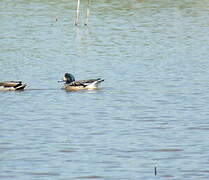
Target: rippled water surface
column 153, row 107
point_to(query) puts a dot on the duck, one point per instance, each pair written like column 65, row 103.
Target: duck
column 72, row 85
column 12, row 86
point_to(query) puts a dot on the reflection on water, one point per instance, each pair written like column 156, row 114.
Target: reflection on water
column 152, row 109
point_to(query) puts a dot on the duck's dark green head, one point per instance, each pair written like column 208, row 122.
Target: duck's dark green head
column 68, row 78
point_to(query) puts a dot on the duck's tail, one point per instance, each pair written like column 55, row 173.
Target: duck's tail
column 95, row 84
column 11, row 85
column 99, row 80
column 20, row 87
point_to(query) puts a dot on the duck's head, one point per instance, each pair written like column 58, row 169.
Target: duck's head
column 68, row 78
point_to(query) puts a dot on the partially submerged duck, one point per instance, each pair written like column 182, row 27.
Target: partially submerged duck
column 72, row 85
column 12, row 86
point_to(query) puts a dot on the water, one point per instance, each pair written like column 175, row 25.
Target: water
column 152, row 109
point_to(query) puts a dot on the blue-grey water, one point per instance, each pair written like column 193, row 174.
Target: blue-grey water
column 152, row 109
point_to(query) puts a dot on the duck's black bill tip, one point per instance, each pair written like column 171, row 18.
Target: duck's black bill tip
column 60, row 81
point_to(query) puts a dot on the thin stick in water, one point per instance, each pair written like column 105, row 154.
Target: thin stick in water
column 87, row 13
column 77, row 13
column 155, row 169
